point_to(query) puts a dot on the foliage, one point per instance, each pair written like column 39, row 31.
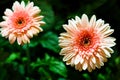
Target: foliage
column 40, row 60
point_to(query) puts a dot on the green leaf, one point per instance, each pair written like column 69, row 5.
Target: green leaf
column 58, row 67
column 47, row 57
column 21, row 69
column 12, row 57
column 101, row 77
column 86, row 76
column 50, row 41
column 50, row 64
column 45, row 75
column 36, row 64
column 24, row 59
column 117, row 60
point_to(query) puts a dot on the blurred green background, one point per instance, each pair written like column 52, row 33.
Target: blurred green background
column 40, row 60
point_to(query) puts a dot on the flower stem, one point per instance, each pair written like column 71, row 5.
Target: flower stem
column 28, row 61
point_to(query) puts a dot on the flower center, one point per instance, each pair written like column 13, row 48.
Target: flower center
column 85, row 40
column 20, row 22
column 20, row 19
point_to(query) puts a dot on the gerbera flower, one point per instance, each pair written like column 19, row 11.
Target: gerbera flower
column 86, row 44
column 21, row 23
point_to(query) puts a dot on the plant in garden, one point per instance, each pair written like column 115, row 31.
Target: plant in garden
column 86, row 44
column 21, row 23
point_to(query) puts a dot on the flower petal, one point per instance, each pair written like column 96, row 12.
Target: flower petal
column 12, row 38
column 65, row 50
column 109, row 32
column 19, row 40
column 16, row 6
column 68, row 56
column 84, row 65
column 99, row 23
column 93, row 21
column 29, row 6
column 84, row 20
column 77, row 59
column 8, row 12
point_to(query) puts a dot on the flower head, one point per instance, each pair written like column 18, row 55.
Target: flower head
column 86, row 44
column 21, row 23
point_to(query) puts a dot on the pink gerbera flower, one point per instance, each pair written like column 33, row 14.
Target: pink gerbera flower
column 21, row 23
column 86, row 44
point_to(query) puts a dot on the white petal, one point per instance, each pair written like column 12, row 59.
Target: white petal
column 65, row 50
column 16, row 6
column 101, row 63
column 77, row 59
column 3, row 24
column 23, row 4
column 99, row 23
column 85, row 65
column 8, row 12
column 72, row 61
column 68, row 28
column 109, row 32
column 12, row 38
column 84, row 20
column 104, row 28
column 66, row 35
column 41, row 22
column 5, row 32
column 107, row 53
column 19, row 40
column 77, row 19
column 72, row 25
column 78, row 22
column 109, row 49
column 25, row 39
column 39, row 28
column 111, row 44
column 93, row 21
column 92, row 64
column 108, row 42
column 65, row 43
column 98, row 62
column 29, row 6
column 5, row 17
column 29, row 34
column 35, row 10
column 109, row 39
column 81, row 60
column 93, row 60
column 68, row 56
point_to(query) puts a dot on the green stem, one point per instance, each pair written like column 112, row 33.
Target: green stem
column 28, row 61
